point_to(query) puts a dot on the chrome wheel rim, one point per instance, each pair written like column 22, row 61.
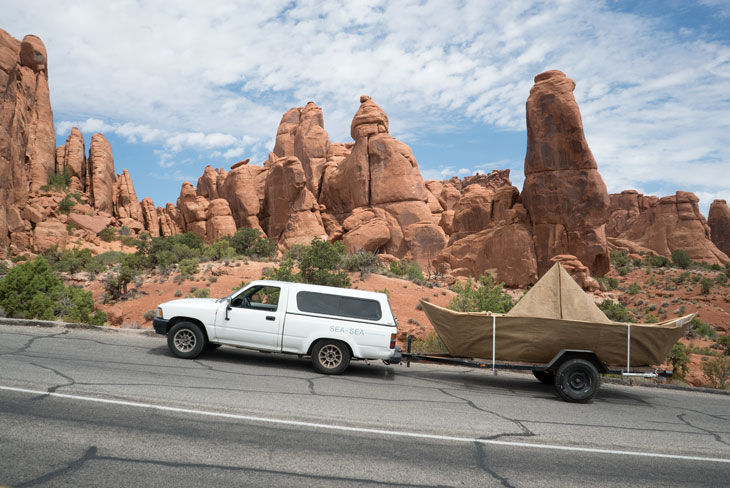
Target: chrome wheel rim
column 330, row 356
column 184, row 340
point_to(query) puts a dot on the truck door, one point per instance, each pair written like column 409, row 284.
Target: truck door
column 254, row 319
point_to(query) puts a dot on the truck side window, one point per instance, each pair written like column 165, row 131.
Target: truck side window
column 258, row 298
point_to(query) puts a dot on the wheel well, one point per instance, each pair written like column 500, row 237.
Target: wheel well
column 311, row 346
column 197, row 322
column 567, row 354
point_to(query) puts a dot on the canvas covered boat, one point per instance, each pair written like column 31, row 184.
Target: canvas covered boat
column 555, row 314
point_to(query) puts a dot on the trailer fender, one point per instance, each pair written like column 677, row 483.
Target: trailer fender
column 567, row 354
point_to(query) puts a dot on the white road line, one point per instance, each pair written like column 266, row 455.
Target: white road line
column 366, row 430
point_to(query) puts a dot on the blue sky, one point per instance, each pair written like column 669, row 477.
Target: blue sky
column 177, row 86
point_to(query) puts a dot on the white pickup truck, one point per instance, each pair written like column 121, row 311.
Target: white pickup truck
column 332, row 325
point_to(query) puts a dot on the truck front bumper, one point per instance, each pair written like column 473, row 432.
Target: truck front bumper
column 161, row 325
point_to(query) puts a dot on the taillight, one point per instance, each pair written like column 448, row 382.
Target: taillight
column 392, row 341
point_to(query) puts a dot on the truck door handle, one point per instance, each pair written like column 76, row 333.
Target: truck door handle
column 270, row 317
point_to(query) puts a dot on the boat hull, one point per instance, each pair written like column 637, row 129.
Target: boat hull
column 538, row 340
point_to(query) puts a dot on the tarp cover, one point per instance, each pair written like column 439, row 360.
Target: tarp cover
column 557, row 296
column 555, row 314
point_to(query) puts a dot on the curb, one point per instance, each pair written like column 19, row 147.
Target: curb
column 69, row 325
column 666, row 386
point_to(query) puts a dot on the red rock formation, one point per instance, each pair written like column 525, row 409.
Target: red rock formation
column 126, row 205
column 27, row 145
column 91, row 223
column 101, row 171
column 49, row 234
column 193, row 210
column 563, row 192
column 719, row 221
column 219, row 221
column 74, row 160
column 662, row 225
column 151, row 219
column 171, row 221
column 208, row 183
column 244, row 188
column 291, row 210
column 379, row 175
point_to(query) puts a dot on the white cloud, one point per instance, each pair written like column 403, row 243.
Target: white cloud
column 218, row 76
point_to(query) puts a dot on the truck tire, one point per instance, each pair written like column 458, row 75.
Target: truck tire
column 186, row 340
column 577, row 380
column 544, row 377
column 330, row 356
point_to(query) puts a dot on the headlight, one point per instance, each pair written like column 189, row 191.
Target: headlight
column 159, row 312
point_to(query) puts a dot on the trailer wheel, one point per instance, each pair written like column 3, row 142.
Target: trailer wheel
column 577, row 380
column 544, row 377
column 330, row 356
column 186, row 340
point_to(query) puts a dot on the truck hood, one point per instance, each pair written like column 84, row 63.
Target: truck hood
column 192, row 302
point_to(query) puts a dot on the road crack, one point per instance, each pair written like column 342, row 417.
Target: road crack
column 482, row 462
column 717, row 437
column 72, row 466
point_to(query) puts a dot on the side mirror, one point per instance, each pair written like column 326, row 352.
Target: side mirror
column 228, row 307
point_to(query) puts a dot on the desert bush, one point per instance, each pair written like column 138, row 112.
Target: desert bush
column 633, row 289
column 431, row 344
column 219, row 251
column 610, row 283
column 284, row 272
column 178, row 293
column 65, row 205
column 250, row 242
column 681, row 259
column 363, row 261
column 74, row 261
column 202, row 293
column 117, row 282
column 619, row 258
column 615, row 311
column 724, row 342
column 320, row 264
column 58, row 181
column 480, row 296
column 409, row 270
column 657, row 261
column 702, row 329
column 108, row 234
column 149, row 315
column 721, row 279
column 189, row 267
column 623, row 270
column 679, row 358
column 682, row 278
column 706, row 285
column 717, row 371
column 32, row 290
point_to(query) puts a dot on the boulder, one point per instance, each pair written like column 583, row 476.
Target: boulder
column 563, row 191
column 48, row 235
column 369, row 120
column 14, row 220
column 208, row 183
column 240, row 191
column 33, row 213
column 369, row 235
column 91, row 223
column 394, row 174
column 719, row 221
column 101, row 171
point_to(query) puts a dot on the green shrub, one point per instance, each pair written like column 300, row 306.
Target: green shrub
column 219, row 251
column 657, row 261
column 482, row 296
column 58, row 181
column 681, row 259
column 99, row 317
column 189, row 267
column 682, row 278
column 409, row 270
column 702, row 329
column 117, row 282
column 363, row 261
column 679, row 359
column 724, row 341
column 623, row 270
column 285, row 272
column 721, row 279
column 619, row 258
column 108, row 234
column 610, row 283
column 178, row 293
column 74, row 261
column 250, row 242
column 202, row 293
column 320, row 264
column 3, row 268
column 432, row 344
column 32, row 290
column 615, row 311
column 149, row 315
column 717, row 371
column 650, row 318
column 706, row 284
column 110, row 257
column 65, row 205
column 633, row 289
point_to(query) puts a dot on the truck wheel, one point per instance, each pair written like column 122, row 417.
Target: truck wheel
column 577, row 380
column 185, row 340
column 544, row 377
column 330, row 357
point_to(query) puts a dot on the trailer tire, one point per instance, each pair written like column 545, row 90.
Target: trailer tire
column 577, row 380
column 544, row 377
column 330, row 356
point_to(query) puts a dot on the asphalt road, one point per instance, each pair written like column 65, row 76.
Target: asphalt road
column 94, row 408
